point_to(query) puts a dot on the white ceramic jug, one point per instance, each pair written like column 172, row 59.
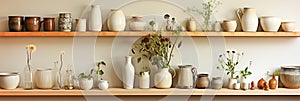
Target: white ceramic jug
column 44, row 78
column 95, row 21
column 186, row 76
column 248, row 19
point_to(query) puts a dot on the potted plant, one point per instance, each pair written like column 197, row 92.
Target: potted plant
column 208, row 8
column 159, row 51
column 86, row 80
column 229, row 62
column 245, row 83
column 102, row 84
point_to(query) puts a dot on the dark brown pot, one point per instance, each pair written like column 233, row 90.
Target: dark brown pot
column 33, row 24
column 15, row 23
column 49, row 24
column 273, row 83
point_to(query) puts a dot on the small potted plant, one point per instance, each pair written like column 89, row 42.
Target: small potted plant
column 229, row 62
column 245, row 83
column 102, row 84
column 86, row 80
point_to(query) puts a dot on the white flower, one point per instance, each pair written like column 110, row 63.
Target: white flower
column 31, row 47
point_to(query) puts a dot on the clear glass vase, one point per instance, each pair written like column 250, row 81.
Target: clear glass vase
column 27, row 80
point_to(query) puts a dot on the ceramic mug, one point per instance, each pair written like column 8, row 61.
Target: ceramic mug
column 33, row 24
column 15, row 23
column 49, row 24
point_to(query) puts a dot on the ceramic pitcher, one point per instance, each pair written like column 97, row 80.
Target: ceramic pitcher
column 248, row 19
column 186, row 77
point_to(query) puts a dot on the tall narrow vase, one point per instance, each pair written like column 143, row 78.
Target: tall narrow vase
column 28, row 81
column 128, row 73
column 116, row 21
column 95, row 21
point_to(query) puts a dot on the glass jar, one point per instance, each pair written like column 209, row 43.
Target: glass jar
column 290, row 76
column 203, row 81
column 69, row 80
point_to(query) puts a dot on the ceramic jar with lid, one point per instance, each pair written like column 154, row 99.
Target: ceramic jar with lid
column 65, row 22
column 137, row 23
column 216, row 83
column 203, row 81
column 15, row 23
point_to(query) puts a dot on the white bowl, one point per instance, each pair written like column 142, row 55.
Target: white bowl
column 270, row 23
column 288, row 26
column 9, row 80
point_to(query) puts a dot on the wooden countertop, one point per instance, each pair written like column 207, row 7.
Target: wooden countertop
column 140, row 92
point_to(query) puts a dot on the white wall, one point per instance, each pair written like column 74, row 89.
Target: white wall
column 267, row 53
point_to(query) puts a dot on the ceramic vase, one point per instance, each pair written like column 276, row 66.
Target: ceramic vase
column 16, row 23
column 248, row 19
column 103, row 84
column 116, row 21
column 236, row 86
column 231, row 82
column 260, row 83
column 144, row 80
column 163, row 78
column 216, row 83
column 273, row 83
column 203, row 81
column 95, row 20
column 86, row 83
column 128, row 73
column 191, row 25
column 44, row 78
column 65, row 22
column 217, row 26
column 137, row 24
column 245, row 83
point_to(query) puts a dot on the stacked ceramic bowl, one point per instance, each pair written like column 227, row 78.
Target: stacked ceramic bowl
column 9, row 80
column 270, row 23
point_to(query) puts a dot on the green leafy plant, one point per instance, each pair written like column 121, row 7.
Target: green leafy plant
column 208, row 8
column 276, row 73
column 245, row 72
column 157, row 48
column 88, row 76
column 229, row 62
column 99, row 70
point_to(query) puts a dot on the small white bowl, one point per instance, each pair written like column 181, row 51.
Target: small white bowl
column 270, row 23
column 9, row 80
column 229, row 25
column 288, row 26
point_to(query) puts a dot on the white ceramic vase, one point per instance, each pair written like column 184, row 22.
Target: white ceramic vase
column 128, row 73
column 248, row 19
column 85, row 83
column 245, row 83
column 95, row 21
column 192, row 25
column 116, row 21
column 144, row 80
column 44, row 78
column 163, row 78
column 137, row 24
column 231, row 83
column 103, row 84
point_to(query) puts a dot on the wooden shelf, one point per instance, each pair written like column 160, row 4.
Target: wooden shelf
column 124, row 34
column 148, row 92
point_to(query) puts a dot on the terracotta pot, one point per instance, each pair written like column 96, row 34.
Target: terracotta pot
column 273, row 83
column 260, row 83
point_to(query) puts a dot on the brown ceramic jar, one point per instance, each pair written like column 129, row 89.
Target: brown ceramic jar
column 33, row 24
column 203, row 81
column 15, row 23
column 49, row 24
column 260, row 83
column 273, row 83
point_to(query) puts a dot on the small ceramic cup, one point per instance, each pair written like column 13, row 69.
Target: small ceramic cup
column 229, row 25
column 288, row 26
column 236, row 86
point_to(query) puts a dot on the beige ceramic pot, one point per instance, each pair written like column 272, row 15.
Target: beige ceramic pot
column 9, row 80
column 229, row 25
column 288, row 26
column 270, row 23
column 44, row 78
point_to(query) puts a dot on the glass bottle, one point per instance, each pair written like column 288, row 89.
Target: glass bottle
column 69, row 79
column 57, row 77
column 28, row 82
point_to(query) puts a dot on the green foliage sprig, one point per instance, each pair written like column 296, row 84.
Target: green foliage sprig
column 246, row 72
